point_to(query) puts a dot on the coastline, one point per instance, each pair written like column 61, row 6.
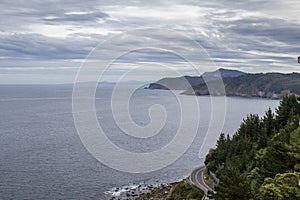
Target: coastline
column 160, row 193
column 165, row 191
column 142, row 191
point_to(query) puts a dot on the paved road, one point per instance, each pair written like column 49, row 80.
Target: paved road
column 196, row 178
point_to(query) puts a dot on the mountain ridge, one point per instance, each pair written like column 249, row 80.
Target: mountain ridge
column 185, row 82
column 265, row 85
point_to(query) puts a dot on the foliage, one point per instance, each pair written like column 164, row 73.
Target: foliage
column 260, row 156
column 269, row 85
column 234, row 185
column 183, row 190
column 283, row 186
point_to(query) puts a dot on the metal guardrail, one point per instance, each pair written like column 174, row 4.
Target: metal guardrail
column 214, row 177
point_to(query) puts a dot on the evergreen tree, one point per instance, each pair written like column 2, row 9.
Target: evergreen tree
column 294, row 148
column 232, row 185
column 216, row 158
column 275, row 158
column 263, row 156
column 288, row 107
column 250, row 127
column 268, row 128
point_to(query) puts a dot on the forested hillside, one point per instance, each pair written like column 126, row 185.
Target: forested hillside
column 262, row 159
column 186, row 82
column 236, row 83
column 269, row 85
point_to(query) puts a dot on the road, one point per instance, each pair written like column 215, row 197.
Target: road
column 196, row 178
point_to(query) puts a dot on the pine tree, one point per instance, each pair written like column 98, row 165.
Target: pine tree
column 276, row 158
column 267, row 128
column 260, row 155
column 233, row 185
column 294, row 148
column 289, row 106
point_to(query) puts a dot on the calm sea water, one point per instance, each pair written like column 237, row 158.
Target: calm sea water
column 42, row 157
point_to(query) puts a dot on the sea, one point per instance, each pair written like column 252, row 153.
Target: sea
column 43, row 157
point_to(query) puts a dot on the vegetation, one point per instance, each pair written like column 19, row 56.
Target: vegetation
column 262, row 159
column 185, row 82
column 186, row 191
column 237, row 83
column 269, row 85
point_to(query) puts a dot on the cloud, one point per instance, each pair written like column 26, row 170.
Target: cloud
column 77, row 17
column 36, row 46
column 253, row 35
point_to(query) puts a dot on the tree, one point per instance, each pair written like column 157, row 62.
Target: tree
column 282, row 187
column 262, row 157
column 289, row 106
column 233, row 185
column 275, row 158
column 267, row 128
column 216, row 158
column 294, row 148
column 250, row 127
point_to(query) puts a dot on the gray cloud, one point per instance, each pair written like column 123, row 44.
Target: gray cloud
column 78, row 17
column 253, row 35
column 36, row 46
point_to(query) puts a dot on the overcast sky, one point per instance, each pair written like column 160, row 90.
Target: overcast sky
column 47, row 41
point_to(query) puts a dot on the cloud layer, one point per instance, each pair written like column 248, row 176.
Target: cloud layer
column 43, row 39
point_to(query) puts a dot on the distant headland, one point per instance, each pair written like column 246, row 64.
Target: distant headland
column 237, row 83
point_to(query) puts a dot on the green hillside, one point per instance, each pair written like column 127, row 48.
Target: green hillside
column 269, row 85
column 262, row 159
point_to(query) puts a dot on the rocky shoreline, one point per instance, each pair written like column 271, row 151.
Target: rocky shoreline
column 145, row 192
column 159, row 193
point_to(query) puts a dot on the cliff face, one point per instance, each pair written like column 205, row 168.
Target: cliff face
column 186, row 82
column 265, row 85
column 157, row 86
column 177, row 83
column 270, row 85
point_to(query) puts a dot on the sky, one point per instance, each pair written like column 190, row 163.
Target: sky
column 48, row 42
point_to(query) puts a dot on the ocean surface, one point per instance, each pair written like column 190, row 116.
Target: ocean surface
column 42, row 156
